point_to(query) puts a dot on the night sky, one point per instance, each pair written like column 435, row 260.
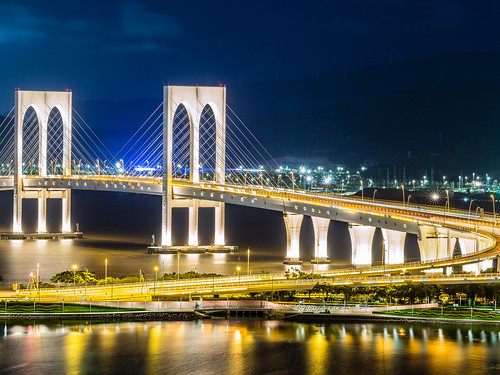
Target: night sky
column 128, row 49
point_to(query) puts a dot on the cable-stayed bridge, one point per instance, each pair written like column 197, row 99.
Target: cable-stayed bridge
column 194, row 151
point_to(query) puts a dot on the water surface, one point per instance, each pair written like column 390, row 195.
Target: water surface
column 247, row 347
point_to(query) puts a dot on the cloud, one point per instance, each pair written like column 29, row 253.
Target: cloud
column 19, row 25
column 350, row 26
column 139, row 22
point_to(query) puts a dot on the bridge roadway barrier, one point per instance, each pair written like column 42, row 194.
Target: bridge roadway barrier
column 231, row 285
column 356, row 308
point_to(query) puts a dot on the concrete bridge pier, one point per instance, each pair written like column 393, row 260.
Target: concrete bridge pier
column 361, row 241
column 66, row 211
column 434, row 242
column 320, row 244
column 394, row 246
column 193, row 223
column 471, row 245
column 220, row 215
column 293, row 222
column 42, row 211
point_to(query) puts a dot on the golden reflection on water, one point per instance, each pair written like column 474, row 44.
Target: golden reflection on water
column 74, row 345
column 317, row 353
column 155, row 344
column 249, row 347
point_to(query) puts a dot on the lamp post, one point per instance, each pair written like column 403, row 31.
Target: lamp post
column 238, row 269
column 74, row 277
column 408, row 202
column 362, row 194
column 447, row 199
column 178, row 254
column 38, row 279
column 494, row 214
column 477, row 209
column 31, row 281
column 106, row 271
column 86, row 272
column 374, row 192
column 156, row 278
column 248, row 261
column 403, row 189
column 470, row 206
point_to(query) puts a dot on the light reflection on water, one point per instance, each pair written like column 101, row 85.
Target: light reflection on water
column 246, row 347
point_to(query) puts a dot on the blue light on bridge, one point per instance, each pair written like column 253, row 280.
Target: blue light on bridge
column 144, row 169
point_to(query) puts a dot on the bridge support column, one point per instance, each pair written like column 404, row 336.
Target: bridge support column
column 293, row 222
column 467, row 245
column 220, row 219
column 193, row 223
column 166, row 193
column 362, row 241
column 434, row 242
column 42, row 211
column 66, row 212
column 320, row 244
column 394, row 246
column 17, row 226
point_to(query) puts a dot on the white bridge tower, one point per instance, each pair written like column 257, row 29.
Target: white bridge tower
column 42, row 103
column 194, row 99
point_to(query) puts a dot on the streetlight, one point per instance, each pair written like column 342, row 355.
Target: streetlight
column 156, row 277
column 494, row 214
column 447, row 200
column 248, row 261
column 178, row 275
column 408, row 202
column 238, row 269
column 403, row 189
column 31, row 281
column 362, row 194
column 38, row 279
column 86, row 272
column 374, row 192
column 74, row 277
column 470, row 206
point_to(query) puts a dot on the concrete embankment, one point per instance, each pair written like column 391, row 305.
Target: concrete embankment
column 339, row 318
column 128, row 316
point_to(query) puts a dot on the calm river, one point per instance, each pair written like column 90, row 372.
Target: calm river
column 247, row 347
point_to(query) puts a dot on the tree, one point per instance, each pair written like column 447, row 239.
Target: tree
column 80, row 277
column 346, row 290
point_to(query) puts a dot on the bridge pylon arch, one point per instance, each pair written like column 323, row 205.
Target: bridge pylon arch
column 42, row 102
column 194, row 99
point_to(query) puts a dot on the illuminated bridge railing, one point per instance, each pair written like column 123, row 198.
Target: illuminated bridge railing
column 364, row 204
column 127, row 292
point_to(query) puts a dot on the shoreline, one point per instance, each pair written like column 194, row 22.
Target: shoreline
column 125, row 316
column 339, row 318
column 192, row 315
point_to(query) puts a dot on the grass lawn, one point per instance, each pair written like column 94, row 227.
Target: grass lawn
column 449, row 313
column 56, row 308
